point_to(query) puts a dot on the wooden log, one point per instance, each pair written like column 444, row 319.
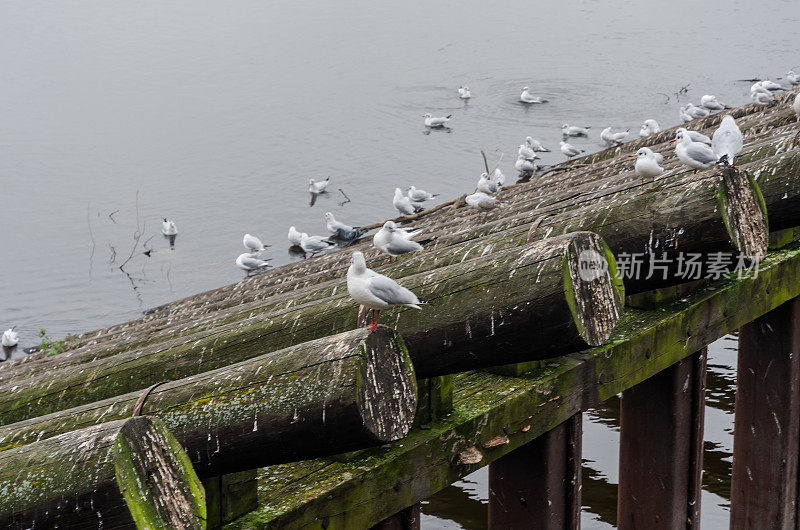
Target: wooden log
column 111, row 475
column 407, row 519
column 230, row 496
column 526, row 303
column 538, row 485
column 661, row 448
column 765, row 441
column 328, row 396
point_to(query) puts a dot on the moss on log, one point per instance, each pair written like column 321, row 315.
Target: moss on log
column 326, row 396
column 111, row 475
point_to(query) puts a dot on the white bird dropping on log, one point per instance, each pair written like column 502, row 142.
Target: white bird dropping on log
column 527, row 97
column 569, row 150
column 709, row 101
column 313, row 244
column 375, row 291
column 432, row 122
column 696, row 155
column 464, row 93
column 248, row 263
column 481, row 201
column 10, row 338
column 487, row 185
column 419, row 195
column 294, row 236
column 572, row 130
column 612, row 138
column 647, row 164
column 793, row 78
column 649, row 127
column 393, row 241
column 168, row 228
column 253, row 244
column 318, row 187
column 536, row 145
column 403, row 203
column 727, row 141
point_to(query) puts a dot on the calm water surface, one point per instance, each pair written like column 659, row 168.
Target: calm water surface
column 216, row 114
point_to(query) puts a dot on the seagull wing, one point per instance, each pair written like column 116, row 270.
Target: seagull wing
column 391, row 292
column 701, row 153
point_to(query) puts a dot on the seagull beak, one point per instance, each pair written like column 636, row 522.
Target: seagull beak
column 632, row 156
column 672, row 141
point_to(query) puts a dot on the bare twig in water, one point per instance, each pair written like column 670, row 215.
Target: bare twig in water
column 665, row 95
column 113, row 257
column 91, row 234
column 111, row 216
column 345, row 196
column 683, row 90
column 137, row 235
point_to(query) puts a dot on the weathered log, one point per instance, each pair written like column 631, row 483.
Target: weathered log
column 111, row 475
column 323, row 397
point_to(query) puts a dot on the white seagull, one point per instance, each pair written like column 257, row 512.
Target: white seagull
column 481, row 201
column 394, row 241
column 248, row 263
column 436, row 122
column 527, row 97
column 536, row 145
column 796, row 106
column 318, row 187
column 487, row 185
column 313, row 244
column 770, row 85
column 403, row 203
column 527, row 153
column 341, row 230
column 168, row 228
column 698, row 137
column 793, row 78
column 685, row 117
column 294, row 236
column 464, row 93
column 569, row 150
column 498, row 178
column 10, row 338
column 649, row 127
column 761, row 98
column 647, row 164
column 419, row 195
column 572, row 130
column 375, row 291
column 696, row 155
column 333, row 225
column 524, row 166
column 612, row 138
column 709, row 101
column 253, row 244
column 695, row 111
column 727, row 141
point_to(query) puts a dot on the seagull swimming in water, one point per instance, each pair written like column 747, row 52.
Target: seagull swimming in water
column 403, row 203
column 696, row 155
column 572, row 130
column 375, row 291
column 649, row 127
column 569, row 150
column 253, row 244
column 727, row 141
column 168, row 228
column 433, row 123
column 10, row 338
column 536, row 145
column 709, row 101
column 318, row 187
column 419, row 195
column 647, row 164
column 464, row 93
column 527, row 97
column 612, row 138
column 248, row 263
column 394, row 241
column 294, row 236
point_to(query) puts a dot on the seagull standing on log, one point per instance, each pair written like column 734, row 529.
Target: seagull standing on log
column 727, row 141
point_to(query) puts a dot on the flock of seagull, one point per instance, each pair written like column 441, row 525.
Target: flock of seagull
column 376, row 292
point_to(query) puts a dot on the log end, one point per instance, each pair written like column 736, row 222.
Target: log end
column 744, row 213
column 593, row 287
column 387, row 390
column 156, row 478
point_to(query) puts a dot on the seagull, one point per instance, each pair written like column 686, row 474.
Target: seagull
column 318, row 187
column 527, row 97
column 524, row 166
column 569, row 150
column 481, row 201
column 758, row 87
column 498, row 178
column 393, row 241
column 333, row 225
column 375, row 291
column 685, row 117
column 796, row 106
column 527, row 153
column 793, row 78
column 695, row 112
column 253, row 244
column 761, row 98
column 403, row 203
column 727, row 141
column 419, row 195
column 649, row 127
column 248, row 263
column 294, row 236
column 647, row 164
column 168, row 228
column 770, row 85
column 436, row 122
column 464, row 93
column 10, row 338
column 698, row 137
column 487, row 185
column 710, row 102
column 343, row 231
column 567, row 130
column 612, row 138
column 536, row 145
column 313, row 244
column 694, row 154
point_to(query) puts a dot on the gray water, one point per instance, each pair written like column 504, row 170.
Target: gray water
column 215, row 114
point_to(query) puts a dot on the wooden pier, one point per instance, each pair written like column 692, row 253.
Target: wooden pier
column 266, row 394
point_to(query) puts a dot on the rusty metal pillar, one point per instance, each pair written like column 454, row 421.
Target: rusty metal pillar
column 765, row 441
column 538, row 485
column 407, row 519
column 661, row 448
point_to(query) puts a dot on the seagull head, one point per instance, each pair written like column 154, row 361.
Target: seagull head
column 565, row 127
column 524, row 89
column 328, row 217
column 357, row 262
column 390, row 226
column 426, row 115
column 311, row 181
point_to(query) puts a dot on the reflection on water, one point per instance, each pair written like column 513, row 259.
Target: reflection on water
column 464, row 504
